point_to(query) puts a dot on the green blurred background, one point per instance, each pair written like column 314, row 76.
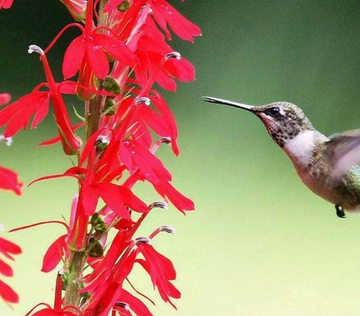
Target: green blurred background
column 259, row 243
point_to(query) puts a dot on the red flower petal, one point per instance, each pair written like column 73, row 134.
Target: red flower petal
column 169, row 118
column 9, row 181
column 97, row 59
column 73, row 57
column 181, row 202
column 18, row 113
column 54, row 254
column 7, row 293
column 160, row 270
column 149, row 165
column 5, row 269
column 6, row 4
column 88, row 198
column 135, row 304
column 7, row 247
column 181, row 69
column 116, row 48
column 181, row 26
column 118, row 197
column 67, row 87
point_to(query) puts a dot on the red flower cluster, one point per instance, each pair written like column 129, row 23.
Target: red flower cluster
column 8, row 181
column 121, row 53
column 7, row 249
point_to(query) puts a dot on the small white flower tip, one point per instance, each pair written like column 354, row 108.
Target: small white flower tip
column 8, row 140
column 35, row 49
column 165, row 140
column 124, row 305
column 102, row 140
column 61, row 272
column 172, row 55
column 144, row 100
column 159, row 204
column 142, row 240
column 167, row 229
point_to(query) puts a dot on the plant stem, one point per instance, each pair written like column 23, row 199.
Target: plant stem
column 77, row 259
column 93, row 114
column 102, row 17
column 76, row 268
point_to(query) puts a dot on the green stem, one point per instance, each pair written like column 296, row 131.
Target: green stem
column 93, row 114
column 77, row 260
column 102, row 17
column 75, row 270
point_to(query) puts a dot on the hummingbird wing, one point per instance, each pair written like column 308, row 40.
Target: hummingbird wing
column 342, row 151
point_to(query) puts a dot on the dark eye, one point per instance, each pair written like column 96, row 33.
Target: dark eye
column 274, row 112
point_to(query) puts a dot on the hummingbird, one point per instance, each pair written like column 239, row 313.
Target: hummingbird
column 326, row 165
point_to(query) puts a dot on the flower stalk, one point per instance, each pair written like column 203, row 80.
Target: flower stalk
column 111, row 69
column 75, row 271
column 93, row 114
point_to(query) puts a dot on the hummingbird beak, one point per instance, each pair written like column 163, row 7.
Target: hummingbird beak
column 247, row 107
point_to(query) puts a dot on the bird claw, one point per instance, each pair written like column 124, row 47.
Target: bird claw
column 340, row 211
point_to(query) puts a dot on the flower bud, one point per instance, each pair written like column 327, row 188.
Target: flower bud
column 96, row 249
column 110, row 106
column 111, row 85
column 124, row 6
column 98, row 223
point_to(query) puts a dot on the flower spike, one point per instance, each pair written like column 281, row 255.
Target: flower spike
column 120, row 55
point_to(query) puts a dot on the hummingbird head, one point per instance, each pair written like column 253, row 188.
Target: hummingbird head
column 282, row 120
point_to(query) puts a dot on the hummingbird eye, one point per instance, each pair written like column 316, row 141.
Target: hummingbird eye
column 274, row 111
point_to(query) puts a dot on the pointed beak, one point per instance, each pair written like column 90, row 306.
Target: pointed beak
column 247, row 107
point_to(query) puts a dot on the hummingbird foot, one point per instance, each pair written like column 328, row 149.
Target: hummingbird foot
column 339, row 211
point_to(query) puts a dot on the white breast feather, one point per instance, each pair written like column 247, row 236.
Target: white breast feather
column 299, row 148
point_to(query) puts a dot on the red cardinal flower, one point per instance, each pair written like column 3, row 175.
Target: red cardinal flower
column 164, row 14
column 161, row 66
column 18, row 114
column 161, row 271
column 5, row 4
column 156, row 61
column 8, row 249
column 92, row 47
